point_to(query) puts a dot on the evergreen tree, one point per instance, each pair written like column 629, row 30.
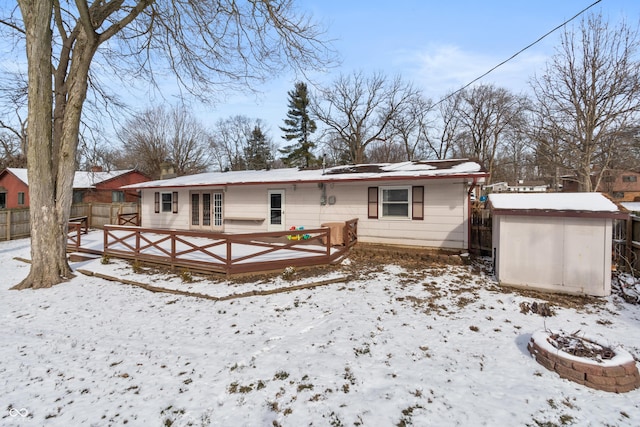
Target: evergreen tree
column 299, row 127
column 258, row 150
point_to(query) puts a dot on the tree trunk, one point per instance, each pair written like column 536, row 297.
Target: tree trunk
column 48, row 234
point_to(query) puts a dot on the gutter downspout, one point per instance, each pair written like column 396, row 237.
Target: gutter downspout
column 471, row 188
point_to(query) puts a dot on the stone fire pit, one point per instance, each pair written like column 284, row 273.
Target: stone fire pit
column 586, row 361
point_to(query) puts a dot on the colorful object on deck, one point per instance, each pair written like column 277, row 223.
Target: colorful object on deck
column 298, row 236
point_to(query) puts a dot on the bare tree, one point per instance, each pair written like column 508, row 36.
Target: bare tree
column 204, row 42
column 440, row 139
column 410, row 126
column 486, row 113
column 588, row 97
column 11, row 155
column 389, row 151
column 359, row 110
column 158, row 134
column 13, row 102
column 231, row 142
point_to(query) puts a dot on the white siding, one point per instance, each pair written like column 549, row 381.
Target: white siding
column 166, row 220
column 444, row 224
column 555, row 253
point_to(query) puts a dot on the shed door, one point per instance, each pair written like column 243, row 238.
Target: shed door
column 276, row 210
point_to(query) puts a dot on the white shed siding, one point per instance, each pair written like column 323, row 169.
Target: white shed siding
column 565, row 254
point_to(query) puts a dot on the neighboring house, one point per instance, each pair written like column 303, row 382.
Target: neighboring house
column 560, row 242
column 621, row 185
column 94, row 186
column 517, row 187
column 632, row 207
column 14, row 191
column 419, row 203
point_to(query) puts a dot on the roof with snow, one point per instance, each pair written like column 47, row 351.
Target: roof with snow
column 365, row 172
column 558, row 204
column 80, row 180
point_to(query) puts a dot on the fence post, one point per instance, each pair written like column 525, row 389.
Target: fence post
column 90, row 216
column 628, row 244
column 8, row 225
column 328, row 241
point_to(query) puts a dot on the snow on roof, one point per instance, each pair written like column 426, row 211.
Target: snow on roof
column 631, row 206
column 80, row 180
column 413, row 169
column 90, row 179
column 589, row 202
column 21, row 174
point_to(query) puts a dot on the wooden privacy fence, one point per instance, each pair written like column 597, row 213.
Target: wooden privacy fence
column 15, row 223
column 480, row 232
column 219, row 252
column 626, row 244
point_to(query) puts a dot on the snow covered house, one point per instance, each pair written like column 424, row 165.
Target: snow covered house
column 561, row 242
column 88, row 186
column 417, row 203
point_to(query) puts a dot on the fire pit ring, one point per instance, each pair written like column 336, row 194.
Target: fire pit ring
column 611, row 369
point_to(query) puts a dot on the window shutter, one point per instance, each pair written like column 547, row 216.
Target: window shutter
column 156, row 202
column 417, row 202
column 174, row 199
column 373, row 203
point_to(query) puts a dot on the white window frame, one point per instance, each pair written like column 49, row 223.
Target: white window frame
column 381, row 202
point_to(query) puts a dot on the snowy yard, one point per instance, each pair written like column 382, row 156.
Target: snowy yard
column 394, row 344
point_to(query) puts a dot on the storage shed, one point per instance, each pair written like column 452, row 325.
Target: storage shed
column 560, row 242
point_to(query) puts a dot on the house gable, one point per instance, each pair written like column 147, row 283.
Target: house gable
column 14, row 192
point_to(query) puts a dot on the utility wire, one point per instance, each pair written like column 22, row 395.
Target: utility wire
column 517, row 53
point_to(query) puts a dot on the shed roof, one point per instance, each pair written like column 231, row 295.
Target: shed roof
column 369, row 172
column 555, row 204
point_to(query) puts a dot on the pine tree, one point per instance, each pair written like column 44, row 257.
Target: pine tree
column 299, row 127
column 258, row 152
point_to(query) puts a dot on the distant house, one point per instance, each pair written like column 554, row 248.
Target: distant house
column 94, row 186
column 418, row 203
column 520, row 186
column 620, row 185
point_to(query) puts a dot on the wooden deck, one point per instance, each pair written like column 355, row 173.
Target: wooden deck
column 216, row 252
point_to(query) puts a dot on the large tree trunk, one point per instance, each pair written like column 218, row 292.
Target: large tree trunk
column 48, row 249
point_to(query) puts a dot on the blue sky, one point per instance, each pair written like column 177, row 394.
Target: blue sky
column 437, row 45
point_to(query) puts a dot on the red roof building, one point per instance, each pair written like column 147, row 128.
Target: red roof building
column 94, row 186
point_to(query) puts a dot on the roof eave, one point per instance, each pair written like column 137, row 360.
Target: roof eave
column 474, row 175
column 561, row 213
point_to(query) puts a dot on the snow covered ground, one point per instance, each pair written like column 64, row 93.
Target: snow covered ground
column 407, row 344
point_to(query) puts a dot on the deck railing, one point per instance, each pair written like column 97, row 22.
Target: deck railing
column 219, row 252
column 129, row 219
column 351, row 232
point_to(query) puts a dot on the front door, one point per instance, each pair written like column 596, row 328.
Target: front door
column 276, row 210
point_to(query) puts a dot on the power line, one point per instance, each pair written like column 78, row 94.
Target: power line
column 518, row 53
